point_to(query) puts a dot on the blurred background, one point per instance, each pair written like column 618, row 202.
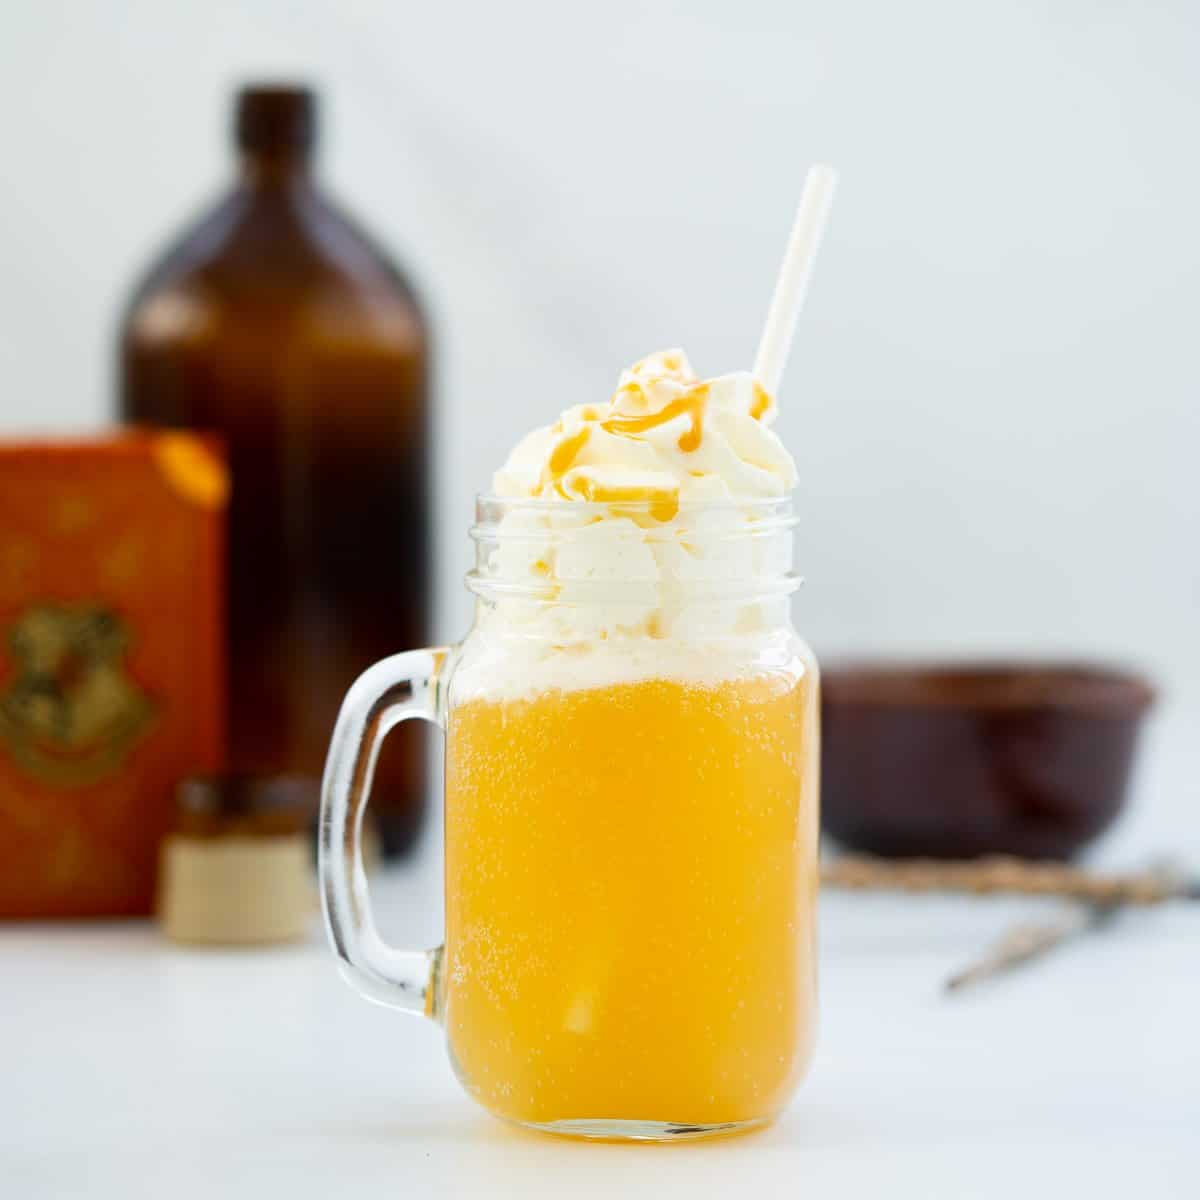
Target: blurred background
column 994, row 404
column 993, row 398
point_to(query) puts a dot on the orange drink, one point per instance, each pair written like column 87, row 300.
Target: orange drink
column 630, row 895
column 631, row 777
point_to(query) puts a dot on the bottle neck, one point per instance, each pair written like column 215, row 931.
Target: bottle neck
column 275, row 132
column 275, row 171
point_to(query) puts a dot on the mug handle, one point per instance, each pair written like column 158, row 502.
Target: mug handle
column 393, row 690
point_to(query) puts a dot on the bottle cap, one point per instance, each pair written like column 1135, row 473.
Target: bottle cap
column 275, row 118
column 246, row 804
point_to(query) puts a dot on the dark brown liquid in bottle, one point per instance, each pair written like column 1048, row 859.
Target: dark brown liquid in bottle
column 277, row 324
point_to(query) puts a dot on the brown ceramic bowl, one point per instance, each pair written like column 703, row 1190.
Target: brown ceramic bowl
column 961, row 761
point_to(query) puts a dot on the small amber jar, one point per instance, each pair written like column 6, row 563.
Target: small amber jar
column 237, row 866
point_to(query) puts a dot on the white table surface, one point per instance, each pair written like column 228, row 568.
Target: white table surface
column 133, row 1068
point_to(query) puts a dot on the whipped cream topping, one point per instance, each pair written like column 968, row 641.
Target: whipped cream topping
column 684, row 539
column 665, row 437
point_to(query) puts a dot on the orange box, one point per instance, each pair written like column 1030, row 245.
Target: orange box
column 111, row 661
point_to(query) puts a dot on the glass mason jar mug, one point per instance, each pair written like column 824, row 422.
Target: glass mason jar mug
column 631, row 820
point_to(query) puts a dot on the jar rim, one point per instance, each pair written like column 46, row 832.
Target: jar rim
column 760, row 521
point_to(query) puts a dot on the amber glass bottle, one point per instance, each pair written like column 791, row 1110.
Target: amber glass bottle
column 277, row 324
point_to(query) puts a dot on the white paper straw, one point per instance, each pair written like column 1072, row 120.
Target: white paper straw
column 792, row 284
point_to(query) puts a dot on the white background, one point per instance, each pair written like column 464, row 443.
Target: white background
column 994, row 396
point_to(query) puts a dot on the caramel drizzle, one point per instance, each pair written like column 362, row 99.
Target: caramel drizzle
column 761, row 401
column 664, row 502
column 563, row 457
column 693, row 403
